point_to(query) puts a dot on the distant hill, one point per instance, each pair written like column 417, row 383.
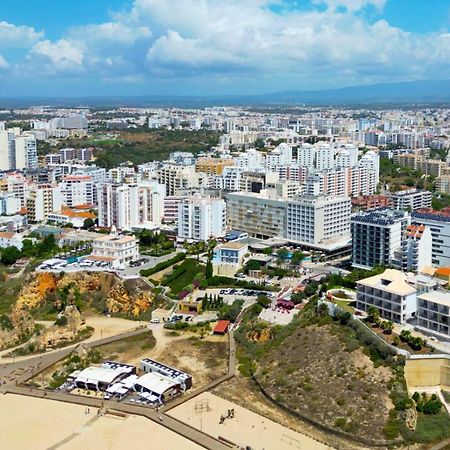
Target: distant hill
column 412, row 92
column 426, row 91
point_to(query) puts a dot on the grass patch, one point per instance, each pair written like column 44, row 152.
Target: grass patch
column 345, row 305
column 140, row 342
column 183, row 275
column 430, row 428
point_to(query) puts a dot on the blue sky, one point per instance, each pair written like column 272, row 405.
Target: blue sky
column 192, row 47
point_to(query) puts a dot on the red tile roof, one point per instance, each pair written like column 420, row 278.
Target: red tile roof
column 222, row 326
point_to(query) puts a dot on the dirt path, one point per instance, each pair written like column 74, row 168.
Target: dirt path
column 103, row 327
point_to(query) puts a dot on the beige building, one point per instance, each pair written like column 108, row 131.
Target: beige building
column 443, row 184
column 257, row 215
column 212, row 166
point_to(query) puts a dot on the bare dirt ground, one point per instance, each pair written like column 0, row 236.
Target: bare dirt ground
column 206, row 359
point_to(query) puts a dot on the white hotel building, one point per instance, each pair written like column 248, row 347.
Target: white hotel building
column 201, row 218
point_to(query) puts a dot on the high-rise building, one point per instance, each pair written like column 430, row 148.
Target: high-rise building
column 128, row 206
column 201, row 218
column 25, row 152
column 77, row 190
column 44, row 199
column 439, row 224
column 318, row 220
column 376, row 236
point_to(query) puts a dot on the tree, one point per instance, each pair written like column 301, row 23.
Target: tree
column 387, row 326
column 297, row 258
column 283, row 253
column 252, row 264
column 88, row 223
column 322, row 310
column 27, row 248
column 9, row 255
column 373, row 314
column 264, row 301
column 208, row 270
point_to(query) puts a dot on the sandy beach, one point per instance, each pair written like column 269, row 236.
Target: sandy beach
column 37, row 424
column 245, row 429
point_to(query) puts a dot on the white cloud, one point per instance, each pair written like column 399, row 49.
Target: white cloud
column 3, row 63
column 351, row 5
column 228, row 41
column 17, row 36
column 61, row 55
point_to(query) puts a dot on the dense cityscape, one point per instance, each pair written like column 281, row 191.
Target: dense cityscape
column 225, row 225
column 241, row 223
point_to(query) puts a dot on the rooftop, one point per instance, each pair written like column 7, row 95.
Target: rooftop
column 155, row 382
column 441, row 297
column 391, row 280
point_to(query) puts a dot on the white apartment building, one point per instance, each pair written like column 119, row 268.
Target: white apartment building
column 17, row 151
column 77, row 190
column 16, row 184
column 229, row 180
column 171, row 205
column 416, row 248
column 25, row 152
column 9, row 204
column 443, row 184
column 376, row 236
column 318, row 220
column 433, row 312
column 201, row 218
column 411, row 199
column 118, row 251
column 391, row 293
column 439, row 224
column 128, row 206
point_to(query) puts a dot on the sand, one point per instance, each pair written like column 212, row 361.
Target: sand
column 37, row 424
column 245, row 429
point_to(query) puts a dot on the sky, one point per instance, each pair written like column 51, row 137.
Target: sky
column 216, row 47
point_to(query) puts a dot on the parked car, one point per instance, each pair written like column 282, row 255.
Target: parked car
column 155, row 320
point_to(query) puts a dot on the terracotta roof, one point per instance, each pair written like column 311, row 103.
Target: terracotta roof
column 443, row 272
column 222, row 326
column 6, row 234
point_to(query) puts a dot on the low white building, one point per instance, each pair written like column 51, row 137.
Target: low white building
column 391, row 293
column 229, row 258
column 433, row 312
column 10, row 239
column 118, row 250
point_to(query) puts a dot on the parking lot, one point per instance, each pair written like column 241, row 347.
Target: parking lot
column 59, row 264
